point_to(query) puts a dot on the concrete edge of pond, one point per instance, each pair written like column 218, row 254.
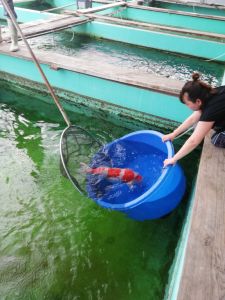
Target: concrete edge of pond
column 196, row 272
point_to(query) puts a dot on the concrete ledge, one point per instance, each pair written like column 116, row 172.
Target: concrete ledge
column 203, row 273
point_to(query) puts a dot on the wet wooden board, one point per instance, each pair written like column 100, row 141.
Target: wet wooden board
column 203, row 276
column 102, row 7
column 95, row 68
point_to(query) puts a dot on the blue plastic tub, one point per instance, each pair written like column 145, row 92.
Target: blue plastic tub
column 160, row 191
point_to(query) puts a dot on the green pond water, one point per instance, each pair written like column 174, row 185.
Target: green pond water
column 130, row 57
column 57, row 244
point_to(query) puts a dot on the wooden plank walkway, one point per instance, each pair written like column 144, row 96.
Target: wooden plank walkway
column 102, row 7
column 56, row 23
column 203, row 276
column 108, row 71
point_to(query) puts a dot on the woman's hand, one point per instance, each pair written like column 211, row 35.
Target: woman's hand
column 168, row 137
column 169, row 161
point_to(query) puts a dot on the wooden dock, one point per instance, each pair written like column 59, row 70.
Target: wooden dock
column 203, row 276
column 108, row 71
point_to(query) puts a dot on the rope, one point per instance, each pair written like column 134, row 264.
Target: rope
column 12, row 17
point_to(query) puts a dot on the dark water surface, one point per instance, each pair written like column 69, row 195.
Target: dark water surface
column 57, row 244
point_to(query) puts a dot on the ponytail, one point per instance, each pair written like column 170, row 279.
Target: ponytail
column 197, row 89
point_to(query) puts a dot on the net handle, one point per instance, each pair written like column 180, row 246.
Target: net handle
column 13, row 19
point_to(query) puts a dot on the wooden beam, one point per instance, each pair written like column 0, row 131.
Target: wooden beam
column 128, row 76
column 100, row 8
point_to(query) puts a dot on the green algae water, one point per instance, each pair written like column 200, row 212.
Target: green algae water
column 57, row 244
column 160, row 63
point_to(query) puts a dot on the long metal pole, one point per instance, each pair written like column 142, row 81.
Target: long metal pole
column 12, row 17
column 59, row 7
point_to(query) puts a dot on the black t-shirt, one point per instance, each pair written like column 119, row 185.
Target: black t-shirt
column 214, row 110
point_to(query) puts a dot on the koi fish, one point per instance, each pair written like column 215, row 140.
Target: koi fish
column 125, row 175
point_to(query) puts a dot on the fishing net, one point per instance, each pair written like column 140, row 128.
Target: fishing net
column 77, row 146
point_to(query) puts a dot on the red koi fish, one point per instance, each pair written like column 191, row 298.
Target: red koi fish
column 125, row 175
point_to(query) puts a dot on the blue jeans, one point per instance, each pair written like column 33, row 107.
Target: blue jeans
column 218, row 139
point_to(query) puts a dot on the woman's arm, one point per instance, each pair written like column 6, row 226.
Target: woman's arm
column 194, row 118
column 194, row 140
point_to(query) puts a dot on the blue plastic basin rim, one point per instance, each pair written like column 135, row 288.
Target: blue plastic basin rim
column 170, row 153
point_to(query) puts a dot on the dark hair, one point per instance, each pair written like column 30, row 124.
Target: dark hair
column 197, row 89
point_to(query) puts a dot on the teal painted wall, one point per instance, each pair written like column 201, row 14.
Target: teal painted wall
column 142, row 100
column 162, row 41
column 171, row 19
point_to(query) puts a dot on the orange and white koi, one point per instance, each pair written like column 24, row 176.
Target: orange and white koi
column 125, row 175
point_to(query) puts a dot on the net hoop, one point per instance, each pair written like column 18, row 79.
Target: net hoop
column 63, row 143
